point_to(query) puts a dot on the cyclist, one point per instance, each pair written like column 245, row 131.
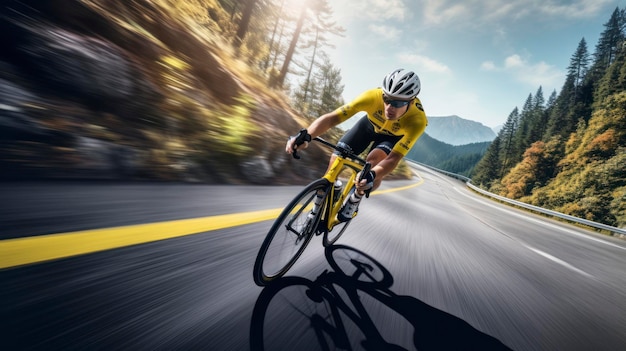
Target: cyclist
column 395, row 120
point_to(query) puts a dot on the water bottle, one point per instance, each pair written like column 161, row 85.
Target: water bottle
column 317, row 203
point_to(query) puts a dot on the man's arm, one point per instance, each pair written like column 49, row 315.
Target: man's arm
column 317, row 128
column 384, row 167
column 323, row 123
column 387, row 165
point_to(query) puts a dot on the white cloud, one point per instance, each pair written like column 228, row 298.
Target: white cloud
column 371, row 10
column 488, row 66
column 424, row 64
column 575, row 9
column 477, row 12
column 532, row 74
column 541, row 74
column 436, row 12
column 514, row 61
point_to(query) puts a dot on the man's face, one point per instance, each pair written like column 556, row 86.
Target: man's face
column 392, row 110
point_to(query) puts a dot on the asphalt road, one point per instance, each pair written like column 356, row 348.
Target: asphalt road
column 431, row 267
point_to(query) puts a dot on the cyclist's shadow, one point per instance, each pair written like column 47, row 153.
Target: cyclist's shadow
column 331, row 312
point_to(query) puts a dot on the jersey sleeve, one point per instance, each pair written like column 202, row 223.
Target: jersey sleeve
column 364, row 102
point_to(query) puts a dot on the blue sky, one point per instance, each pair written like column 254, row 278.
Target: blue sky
column 478, row 59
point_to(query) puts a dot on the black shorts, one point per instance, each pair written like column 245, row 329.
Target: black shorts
column 359, row 137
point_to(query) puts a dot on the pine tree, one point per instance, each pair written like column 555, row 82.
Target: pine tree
column 487, row 168
column 331, row 89
column 563, row 117
column 609, row 44
column 321, row 26
column 614, row 79
column 537, row 121
column 277, row 30
column 610, row 41
column 579, row 63
column 507, row 133
column 550, row 106
column 321, row 11
column 282, row 74
column 520, row 140
column 246, row 15
column 303, row 97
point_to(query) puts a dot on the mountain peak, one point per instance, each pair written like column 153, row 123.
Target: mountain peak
column 455, row 130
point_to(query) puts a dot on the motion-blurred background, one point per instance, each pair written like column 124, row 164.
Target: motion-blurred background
column 208, row 91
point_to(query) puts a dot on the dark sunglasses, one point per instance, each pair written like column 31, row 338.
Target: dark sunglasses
column 395, row 103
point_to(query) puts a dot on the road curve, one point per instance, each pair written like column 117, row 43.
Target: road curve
column 431, row 266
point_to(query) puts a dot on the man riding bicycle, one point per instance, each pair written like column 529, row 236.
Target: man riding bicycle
column 395, row 120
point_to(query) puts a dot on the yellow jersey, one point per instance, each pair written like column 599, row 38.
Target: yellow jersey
column 410, row 126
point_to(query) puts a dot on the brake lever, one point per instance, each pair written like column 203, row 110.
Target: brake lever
column 366, row 168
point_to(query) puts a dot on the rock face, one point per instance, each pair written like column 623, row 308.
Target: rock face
column 57, row 84
column 79, row 68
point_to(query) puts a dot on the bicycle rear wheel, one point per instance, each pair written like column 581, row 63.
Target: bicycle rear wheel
column 289, row 235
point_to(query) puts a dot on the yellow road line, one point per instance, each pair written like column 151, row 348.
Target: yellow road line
column 15, row 252
column 21, row 251
column 399, row 188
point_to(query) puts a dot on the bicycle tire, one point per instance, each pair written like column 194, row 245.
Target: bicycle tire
column 289, row 235
column 330, row 237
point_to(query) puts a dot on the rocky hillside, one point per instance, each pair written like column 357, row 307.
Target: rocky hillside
column 455, row 130
column 108, row 89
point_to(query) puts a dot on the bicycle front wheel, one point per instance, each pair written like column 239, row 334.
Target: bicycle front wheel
column 289, row 235
column 330, row 237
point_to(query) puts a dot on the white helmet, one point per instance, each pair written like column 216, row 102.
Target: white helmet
column 401, row 84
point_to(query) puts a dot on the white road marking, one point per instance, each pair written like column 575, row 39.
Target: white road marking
column 559, row 261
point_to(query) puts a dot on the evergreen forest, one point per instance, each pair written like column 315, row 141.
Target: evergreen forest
column 458, row 159
column 568, row 153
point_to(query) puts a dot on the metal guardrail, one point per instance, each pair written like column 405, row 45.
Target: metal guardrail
column 468, row 182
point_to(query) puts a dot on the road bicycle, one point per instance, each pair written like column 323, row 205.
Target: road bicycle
column 312, row 212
